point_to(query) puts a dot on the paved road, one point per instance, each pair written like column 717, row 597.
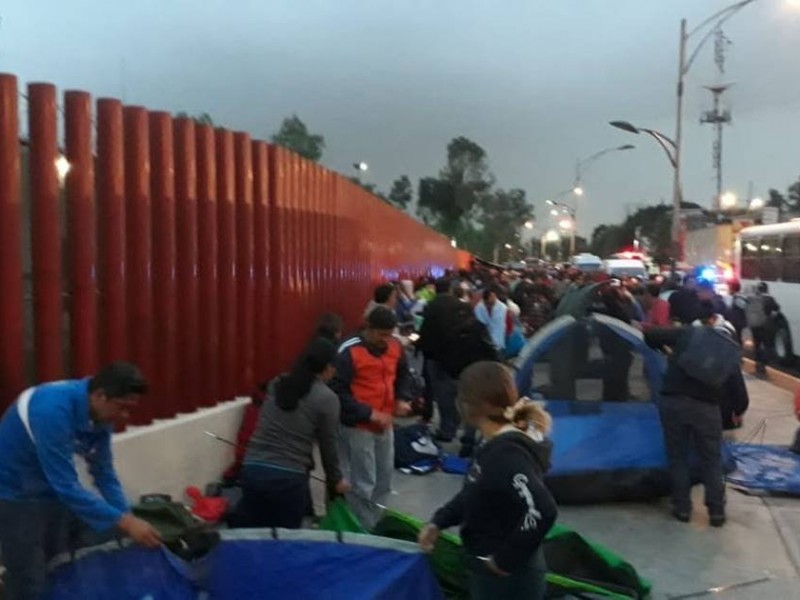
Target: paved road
column 762, row 537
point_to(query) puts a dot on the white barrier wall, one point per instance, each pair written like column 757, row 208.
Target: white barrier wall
column 167, row 456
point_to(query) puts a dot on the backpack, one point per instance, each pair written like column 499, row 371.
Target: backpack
column 711, row 357
column 756, row 312
column 414, row 446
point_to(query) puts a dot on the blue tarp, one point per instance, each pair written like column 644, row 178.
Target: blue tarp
column 242, row 569
column 772, row 469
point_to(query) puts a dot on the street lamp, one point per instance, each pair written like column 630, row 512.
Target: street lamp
column 361, row 166
column 551, row 236
column 728, row 201
column 566, row 225
column 756, row 204
column 582, row 164
column 529, row 225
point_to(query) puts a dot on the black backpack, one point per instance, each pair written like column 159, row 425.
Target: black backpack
column 711, row 357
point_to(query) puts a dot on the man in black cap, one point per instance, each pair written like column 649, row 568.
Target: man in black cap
column 40, row 493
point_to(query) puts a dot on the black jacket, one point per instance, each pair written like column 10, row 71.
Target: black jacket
column 684, row 306
column 438, row 326
column 504, row 508
column 733, row 392
column 469, row 344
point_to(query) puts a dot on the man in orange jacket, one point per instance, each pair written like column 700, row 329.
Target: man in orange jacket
column 374, row 385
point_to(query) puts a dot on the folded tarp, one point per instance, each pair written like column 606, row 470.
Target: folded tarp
column 765, row 469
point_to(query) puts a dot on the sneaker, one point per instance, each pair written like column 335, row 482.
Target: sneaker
column 681, row 515
column 717, row 520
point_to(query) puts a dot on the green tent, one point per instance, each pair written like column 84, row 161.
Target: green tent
column 580, row 568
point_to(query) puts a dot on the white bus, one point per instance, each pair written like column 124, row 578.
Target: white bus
column 771, row 253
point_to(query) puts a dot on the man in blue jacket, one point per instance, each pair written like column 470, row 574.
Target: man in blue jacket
column 40, row 493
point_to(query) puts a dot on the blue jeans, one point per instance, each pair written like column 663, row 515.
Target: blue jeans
column 367, row 461
column 527, row 583
column 31, row 534
column 444, row 390
column 272, row 497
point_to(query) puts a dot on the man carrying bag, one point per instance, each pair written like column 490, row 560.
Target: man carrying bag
column 704, row 360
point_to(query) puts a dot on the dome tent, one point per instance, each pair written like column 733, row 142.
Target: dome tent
column 253, row 563
column 339, row 561
column 604, row 450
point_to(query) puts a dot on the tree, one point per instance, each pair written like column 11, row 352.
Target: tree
column 295, row 136
column 201, row 119
column 450, row 202
column 793, row 196
column 402, row 192
column 777, row 200
column 502, row 216
column 650, row 225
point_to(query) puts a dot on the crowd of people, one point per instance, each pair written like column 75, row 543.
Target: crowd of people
column 344, row 393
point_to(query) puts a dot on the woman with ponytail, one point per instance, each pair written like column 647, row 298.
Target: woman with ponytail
column 504, row 509
column 300, row 410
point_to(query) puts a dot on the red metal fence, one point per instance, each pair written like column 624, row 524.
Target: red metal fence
column 198, row 253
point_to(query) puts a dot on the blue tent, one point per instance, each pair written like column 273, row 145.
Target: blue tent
column 246, row 564
column 603, row 450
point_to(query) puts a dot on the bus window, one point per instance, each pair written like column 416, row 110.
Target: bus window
column 791, row 257
column 750, row 261
column 771, row 253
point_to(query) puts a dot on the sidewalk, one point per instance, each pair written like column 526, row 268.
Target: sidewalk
column 761, row 538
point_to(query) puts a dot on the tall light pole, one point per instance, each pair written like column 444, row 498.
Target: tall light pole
column 570, row 212
column 550, row 236
column 709, row 25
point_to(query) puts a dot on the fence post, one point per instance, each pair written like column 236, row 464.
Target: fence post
column 139, row 246
column 165, row 284
column 12, row 334
column 226, row 290
column 188, row 281
column 245, row 335
column 111, row 231
column 81, row 234
column 261, row 272
column 207, row 266
column 45, row 232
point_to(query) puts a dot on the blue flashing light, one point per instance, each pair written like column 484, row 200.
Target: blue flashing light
column 708, row 274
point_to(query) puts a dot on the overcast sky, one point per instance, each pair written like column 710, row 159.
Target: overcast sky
column 392, row 81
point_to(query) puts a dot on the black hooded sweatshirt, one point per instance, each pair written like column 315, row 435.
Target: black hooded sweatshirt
column 504, row 508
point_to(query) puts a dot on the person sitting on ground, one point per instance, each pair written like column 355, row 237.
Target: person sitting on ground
column 41, row 496
column 301, row 410
column 374, row 385
column 504, row 509
column 690, row 412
